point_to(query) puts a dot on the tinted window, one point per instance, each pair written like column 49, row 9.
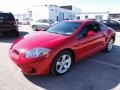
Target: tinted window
column 113, row 22
column 83, row 32
column 66, row 28
column 89, row 27
column 94, row 27
column 104, row 21
column 102, row 27
column 43, row 21
column 51, row 21
column 6, row 17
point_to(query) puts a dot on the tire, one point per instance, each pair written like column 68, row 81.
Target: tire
column 109, row 45
column 62, row 63
column 28, row 23
column 34, row 28
column 16, row 33
column 19, row 23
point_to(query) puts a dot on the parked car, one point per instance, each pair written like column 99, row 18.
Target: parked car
column 56, row 49
column 24, row 21
column 41, row 24
column 112, row 23
column 118, row 21
column 8, row 23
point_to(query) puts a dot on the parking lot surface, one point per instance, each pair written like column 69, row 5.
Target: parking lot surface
column 98, row 72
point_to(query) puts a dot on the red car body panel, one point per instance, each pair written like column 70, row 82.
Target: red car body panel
column 41, row 39
column 42, row 65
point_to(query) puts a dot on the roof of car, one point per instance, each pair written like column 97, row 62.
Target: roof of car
column 1, row 12
column 78, row 20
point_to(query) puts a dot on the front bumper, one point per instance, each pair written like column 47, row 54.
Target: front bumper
column 32, row 66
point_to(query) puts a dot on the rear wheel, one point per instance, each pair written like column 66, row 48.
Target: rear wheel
column 62, row 63
column 16, row 33
column 34, row 28
column 109, row 45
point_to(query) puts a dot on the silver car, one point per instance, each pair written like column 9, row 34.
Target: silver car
column 41, row 24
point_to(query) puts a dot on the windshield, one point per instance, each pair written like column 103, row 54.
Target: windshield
column 6, row 17
column 65, row 28
column 43, row 21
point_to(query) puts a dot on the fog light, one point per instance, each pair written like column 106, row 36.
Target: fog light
column 32, row 70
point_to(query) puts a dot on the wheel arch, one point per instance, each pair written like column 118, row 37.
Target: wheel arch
column 52, row 63
column 70, row 50
column 113, row 37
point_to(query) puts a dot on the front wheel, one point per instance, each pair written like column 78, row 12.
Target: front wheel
column 62, row 63
column 28, row 23
column 109, row 45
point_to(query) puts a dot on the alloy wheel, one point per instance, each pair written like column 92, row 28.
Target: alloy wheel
column 63, row 63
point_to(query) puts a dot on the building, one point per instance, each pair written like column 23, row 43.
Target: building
column 74, row 9
column 53, row 12
column 115, row 16
column 92, row 15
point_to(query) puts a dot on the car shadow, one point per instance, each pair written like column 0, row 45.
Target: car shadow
column 93, row 73
column 10, row 38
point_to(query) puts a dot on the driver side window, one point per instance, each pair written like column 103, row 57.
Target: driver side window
column 83, row 32
column 91, row 26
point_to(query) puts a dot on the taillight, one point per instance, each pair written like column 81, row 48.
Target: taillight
column 14, row 23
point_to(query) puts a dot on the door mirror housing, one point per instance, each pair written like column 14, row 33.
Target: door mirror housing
column 91, row 33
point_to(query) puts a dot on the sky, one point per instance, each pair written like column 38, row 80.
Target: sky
column 20, row 6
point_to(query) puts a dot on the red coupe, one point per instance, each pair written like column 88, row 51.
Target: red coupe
column 56, row 49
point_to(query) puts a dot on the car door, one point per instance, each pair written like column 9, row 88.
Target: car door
column 87, row 45
column 42, row 24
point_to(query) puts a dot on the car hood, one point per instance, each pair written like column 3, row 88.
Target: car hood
column 40, row 39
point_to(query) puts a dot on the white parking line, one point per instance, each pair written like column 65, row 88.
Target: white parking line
column 106, row 63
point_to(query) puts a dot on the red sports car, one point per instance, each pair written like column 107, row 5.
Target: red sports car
column 56, row 49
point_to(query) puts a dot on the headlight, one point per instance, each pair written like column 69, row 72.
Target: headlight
column 36, row 52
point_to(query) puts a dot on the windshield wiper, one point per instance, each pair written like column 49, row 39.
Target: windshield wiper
column 53, row 32
column 59, row 33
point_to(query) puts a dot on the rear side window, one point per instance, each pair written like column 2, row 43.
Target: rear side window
column 6, row 17
column 113, row 22
column 104, row 21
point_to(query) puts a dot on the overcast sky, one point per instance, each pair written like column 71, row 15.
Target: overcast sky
column 85, row 5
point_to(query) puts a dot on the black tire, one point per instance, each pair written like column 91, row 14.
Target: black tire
column 54, row 68
column 28, row 23
column 34, row 28
column 19, row 23
column 109, row 45
column 16, row 33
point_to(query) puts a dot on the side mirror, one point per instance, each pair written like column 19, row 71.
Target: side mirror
column 91, row 33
